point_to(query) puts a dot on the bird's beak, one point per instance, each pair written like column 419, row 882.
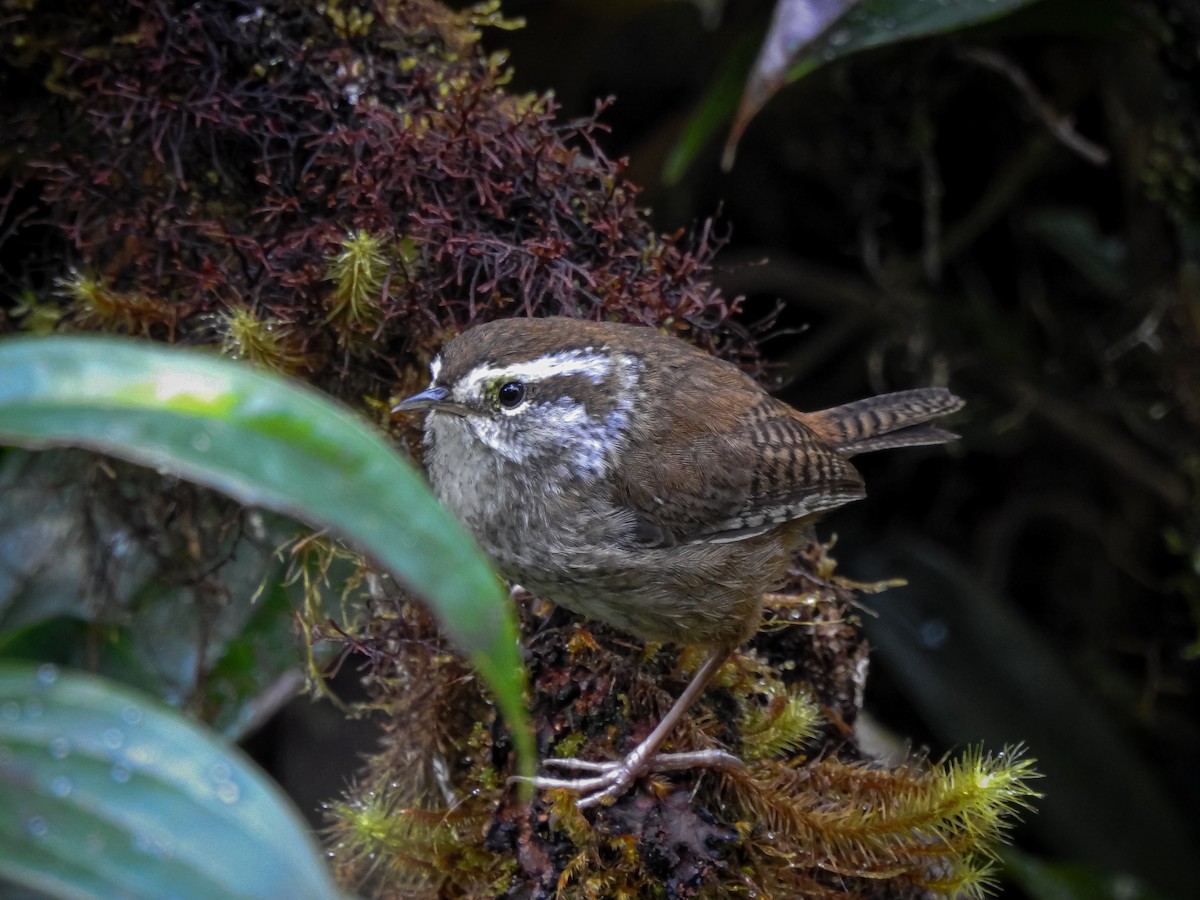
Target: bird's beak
column 435, row 399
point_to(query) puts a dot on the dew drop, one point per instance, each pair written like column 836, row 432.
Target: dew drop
column 120, row 543
column 36, row 826
column 47, row 674
column 201, row 442
column 131, row 715
column 934, row 633
column 252, row 18
column 120, row 774
column 220, row 772
column 255, row 526
column 1126, row 887
column 228, row 793
column 60, row 747
column 60, row 786
column 154, row 844
column 113, row 738
column 33, row 709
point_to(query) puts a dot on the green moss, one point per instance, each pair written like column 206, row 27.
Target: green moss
column 781, row 721
column 359, row 272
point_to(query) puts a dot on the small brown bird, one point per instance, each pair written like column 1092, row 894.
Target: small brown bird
column 637, row 480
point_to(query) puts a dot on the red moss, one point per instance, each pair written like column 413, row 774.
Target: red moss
column 209, row 155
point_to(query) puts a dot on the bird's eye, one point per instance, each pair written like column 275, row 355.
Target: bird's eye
column 510, row 394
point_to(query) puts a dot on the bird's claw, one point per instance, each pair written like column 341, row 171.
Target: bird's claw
column 612, row 779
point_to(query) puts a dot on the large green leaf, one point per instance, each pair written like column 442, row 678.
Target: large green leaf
column 271, row 443
column 105, row 792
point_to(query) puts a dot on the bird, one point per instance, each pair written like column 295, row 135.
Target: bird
column 637, row 480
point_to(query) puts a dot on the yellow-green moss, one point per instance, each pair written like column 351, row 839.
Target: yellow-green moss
column 263, row 341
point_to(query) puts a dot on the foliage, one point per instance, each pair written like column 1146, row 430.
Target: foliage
column 107, row 792
column 267, row 444
column 806, row 34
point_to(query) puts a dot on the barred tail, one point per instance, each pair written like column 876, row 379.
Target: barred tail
column 886, row 421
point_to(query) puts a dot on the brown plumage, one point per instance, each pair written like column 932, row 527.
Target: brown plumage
column 885, row 421
column 637, row 480
column 690, row 485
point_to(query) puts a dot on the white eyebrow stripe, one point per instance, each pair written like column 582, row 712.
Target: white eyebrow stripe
column 435, row 369
column 588, row 362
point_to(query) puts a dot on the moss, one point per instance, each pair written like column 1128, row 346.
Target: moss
column 382, row 194
column 267, row 342
column 781, row 721
column 933, row 828
column 821, row 823
column 359, row 272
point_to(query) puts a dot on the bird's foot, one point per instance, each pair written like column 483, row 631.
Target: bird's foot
column 609, row 780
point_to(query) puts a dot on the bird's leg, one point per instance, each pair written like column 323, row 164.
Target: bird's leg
column 614, row 778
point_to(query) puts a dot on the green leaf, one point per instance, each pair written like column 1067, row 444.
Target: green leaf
column 715, row 108
column 795, row 26
column 228, row 662
column 872, row 23
column 1075, row 235
column 272, row 443
column 1042, row 879
column 877, row 23
column 251, row 665
column 105, row 792
column 74, row 642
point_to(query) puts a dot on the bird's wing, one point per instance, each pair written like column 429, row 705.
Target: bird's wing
column 725, row 461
